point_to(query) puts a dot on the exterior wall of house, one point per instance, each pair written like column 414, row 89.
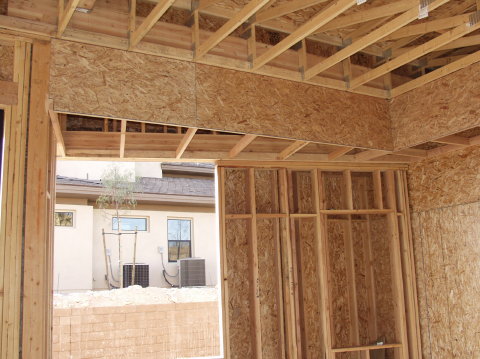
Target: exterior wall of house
column 204, row 245
column 73, row 250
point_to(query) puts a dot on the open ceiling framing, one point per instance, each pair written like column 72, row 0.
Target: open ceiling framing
column 379, row 48
column 81, row 137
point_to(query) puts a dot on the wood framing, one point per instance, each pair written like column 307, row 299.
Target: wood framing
column 65, row 14
column 187, row 138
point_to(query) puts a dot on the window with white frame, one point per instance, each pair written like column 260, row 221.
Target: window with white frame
column 130, row 224
column 179, row 238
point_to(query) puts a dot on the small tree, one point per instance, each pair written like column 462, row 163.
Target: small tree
column 118, row 194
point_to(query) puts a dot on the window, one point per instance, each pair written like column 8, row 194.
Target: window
column 64, row 219
column 179, row 239
column 130, row 223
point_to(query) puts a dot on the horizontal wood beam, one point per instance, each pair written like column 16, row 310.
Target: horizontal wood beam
column 417, row 52
column 8, row 93
column 187, row 138
column 241, row 145
column 149, row 21
column 242, row 16
column 303, row 31
column 369, row 39
column 412, row 152
column 65, row 14
column 435, row 75
column 284, row 9
column 293, row 148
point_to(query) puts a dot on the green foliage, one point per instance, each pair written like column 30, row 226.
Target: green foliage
column 118, row 190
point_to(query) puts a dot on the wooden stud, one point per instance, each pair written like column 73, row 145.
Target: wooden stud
column 123, row 132
column 290, row 150
column 255, row 302
column 223, row 263
column 396, row 265
column 303, row 31
column 241, row 145
column 243, row 15
column 66, row 15
column 152, row 18
column 187, row 138
column 323, row 265
column 289, row 283
column 377, row 189
column 37, row 285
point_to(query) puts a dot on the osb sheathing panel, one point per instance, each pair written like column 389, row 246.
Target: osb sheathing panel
column 239, row 298
column 447, row 253
column 445, row 180
column 334, row 188
column 383, row 278
column 266, row 191
column 244, row 102
column 305, row 237
column 6, row 63
column 236, row 191
column 359, row 238
column 339, row 284
column 303, row 192
column 268, row 271
column 437, row 109
column 114, row 83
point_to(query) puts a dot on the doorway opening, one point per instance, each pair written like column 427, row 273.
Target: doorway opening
column 136, row 253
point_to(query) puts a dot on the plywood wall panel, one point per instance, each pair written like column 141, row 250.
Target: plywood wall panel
column 236, row 191
column 303, row 192
column 437, row 109
column 334, row 188
column 383, row 278
column 6, row 63
column 115, row 83
column 446, row 241
column 445, row 180
column 247, row 102
column 240, row 321
column 269, row 292
column 339, row 284
column 308, row 262
column 266, row 191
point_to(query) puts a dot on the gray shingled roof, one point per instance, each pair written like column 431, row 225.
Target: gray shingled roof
column 167, row 185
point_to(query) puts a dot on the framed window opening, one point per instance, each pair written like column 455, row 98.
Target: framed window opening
column 131, row 223
column 64, row 218
column 179, row 235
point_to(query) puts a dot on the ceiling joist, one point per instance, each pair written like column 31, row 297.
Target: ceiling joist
column 285, row 9
column 303, row 31
column 65, row 14
column 187, row 138
column 292, row 149
column 415, row 53
column 241, row 145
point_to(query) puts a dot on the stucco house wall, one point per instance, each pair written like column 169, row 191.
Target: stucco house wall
column 79, row 254
column 73, row 250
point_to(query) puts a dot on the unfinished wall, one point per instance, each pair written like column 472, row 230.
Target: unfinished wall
column 160, row 331
column 445, row 201
column 311, row 263
column 439, row 108
column 114, row 83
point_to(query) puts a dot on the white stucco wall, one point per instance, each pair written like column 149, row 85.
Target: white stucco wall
column 68, row 249
column 72, row 264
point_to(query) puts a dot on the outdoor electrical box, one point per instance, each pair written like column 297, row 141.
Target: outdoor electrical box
column 142, row 275
column 191, row 272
